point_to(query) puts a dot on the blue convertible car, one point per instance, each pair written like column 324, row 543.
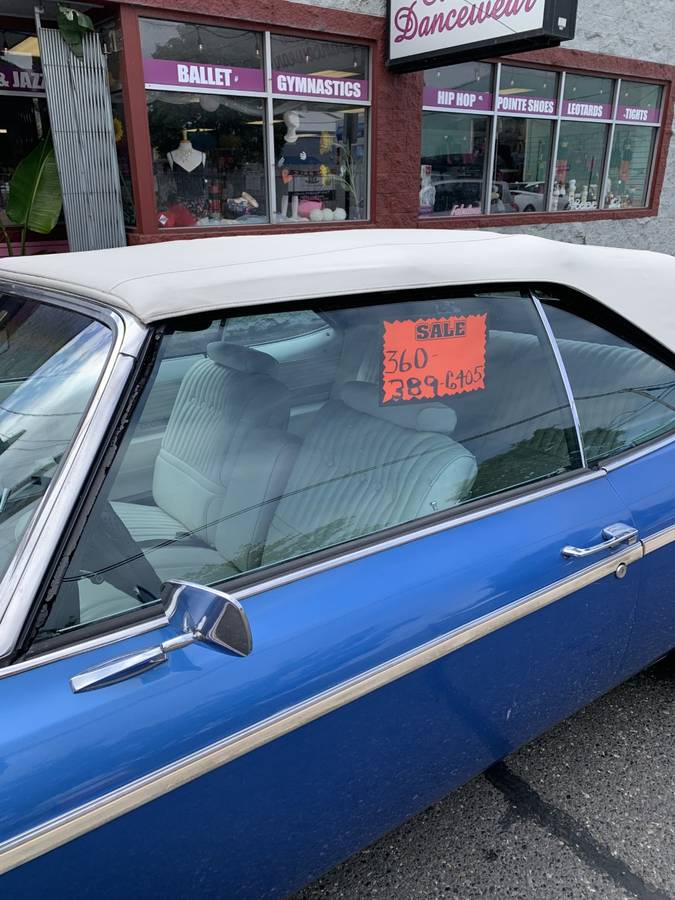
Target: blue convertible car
column 298, row 533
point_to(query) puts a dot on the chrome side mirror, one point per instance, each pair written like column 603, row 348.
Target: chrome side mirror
column 198, row 613
column 207, row 615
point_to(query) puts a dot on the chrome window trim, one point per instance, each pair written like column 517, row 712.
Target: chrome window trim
column 62, row 829
column 38, row 544
column 563, row 374
column 629, row 456
column 305, row 571
column 576, row 478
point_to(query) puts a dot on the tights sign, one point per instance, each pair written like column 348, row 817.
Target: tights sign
column 424, row 359
column 441, row 32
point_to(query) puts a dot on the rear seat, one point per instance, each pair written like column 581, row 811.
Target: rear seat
column 364, row 467
column 606, row 381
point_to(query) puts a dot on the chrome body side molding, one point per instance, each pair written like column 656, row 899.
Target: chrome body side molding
column 659, row 540
column 79, row 821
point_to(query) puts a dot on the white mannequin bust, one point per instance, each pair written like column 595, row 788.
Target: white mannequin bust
column 186, row 156
column 292, row 123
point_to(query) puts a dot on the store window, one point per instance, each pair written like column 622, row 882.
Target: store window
column 23, row 108
column 630, row 167
column 522, row 159
column 455, row 147
column 320, row 158
column 214, row 173
column 545, row 141
column 217, row 162
column 579, row 164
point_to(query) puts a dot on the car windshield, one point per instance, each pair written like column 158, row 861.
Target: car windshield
column 51, row 359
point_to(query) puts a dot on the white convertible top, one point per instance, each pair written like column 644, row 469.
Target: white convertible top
column 173, row 278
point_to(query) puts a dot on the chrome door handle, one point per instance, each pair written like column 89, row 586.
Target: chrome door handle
column 614, row 536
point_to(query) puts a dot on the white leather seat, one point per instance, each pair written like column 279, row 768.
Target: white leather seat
column 364, row 467
column 230, row 417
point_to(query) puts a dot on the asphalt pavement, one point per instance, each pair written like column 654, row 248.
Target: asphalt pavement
column 588, row 810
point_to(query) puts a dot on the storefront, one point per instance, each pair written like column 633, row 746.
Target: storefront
column 238, row 118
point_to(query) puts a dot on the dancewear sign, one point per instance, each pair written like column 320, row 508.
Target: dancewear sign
column 422, row 32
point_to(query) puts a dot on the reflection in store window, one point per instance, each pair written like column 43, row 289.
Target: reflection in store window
column 209, row 159
column 578, row 172
column 522, row 158
column 629, row 167
column 454, row 158
column 320, row 155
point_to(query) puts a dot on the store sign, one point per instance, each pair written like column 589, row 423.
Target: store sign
column 171, row 75
column 20, row 81
column 293, row 84
column 579, row 109
column 527, row 106
column 649, row 115
column 469, row 101
column 441, row 32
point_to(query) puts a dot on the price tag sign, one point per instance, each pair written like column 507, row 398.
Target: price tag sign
column 424, row 359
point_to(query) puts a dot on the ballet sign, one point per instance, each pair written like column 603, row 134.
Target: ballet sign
column 172, row 75
column 440, row 32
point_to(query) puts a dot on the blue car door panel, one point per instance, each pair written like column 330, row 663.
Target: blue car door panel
column 374, row 687
column 647, row 485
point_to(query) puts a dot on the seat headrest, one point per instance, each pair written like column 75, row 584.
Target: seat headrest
column 243, row 359
column 420, row 416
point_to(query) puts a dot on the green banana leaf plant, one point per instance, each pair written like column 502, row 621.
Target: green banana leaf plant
column 73, row 25
column 35, row 198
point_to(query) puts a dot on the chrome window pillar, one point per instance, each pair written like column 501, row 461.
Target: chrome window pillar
column 27, row 570
column 563, row 374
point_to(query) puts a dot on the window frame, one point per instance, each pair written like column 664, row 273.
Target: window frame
column 558, row 68
column 268, row 97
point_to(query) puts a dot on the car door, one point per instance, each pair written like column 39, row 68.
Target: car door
column 434, row 589
column 624, row 386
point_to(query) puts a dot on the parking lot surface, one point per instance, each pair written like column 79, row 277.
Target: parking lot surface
column 588, row 810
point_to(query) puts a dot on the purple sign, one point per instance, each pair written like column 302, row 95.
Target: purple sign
column 457, row 99
column 582, row 109
column 22, row 81
column 650, row 114
column 168, row 74
column 532, row 106
column 319, row 86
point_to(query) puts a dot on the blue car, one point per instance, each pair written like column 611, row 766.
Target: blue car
column 300, row 532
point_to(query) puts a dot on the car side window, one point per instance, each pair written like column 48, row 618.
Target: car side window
column 624, row 395
column 415, row 407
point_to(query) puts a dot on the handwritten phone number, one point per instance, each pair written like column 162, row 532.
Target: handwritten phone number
column 430, row 386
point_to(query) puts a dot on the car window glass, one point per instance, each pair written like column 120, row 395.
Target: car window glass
column 411, row 408
column 50, row 362
column 624, row 395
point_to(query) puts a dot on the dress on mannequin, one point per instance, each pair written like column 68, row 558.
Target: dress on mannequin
column 186, row 188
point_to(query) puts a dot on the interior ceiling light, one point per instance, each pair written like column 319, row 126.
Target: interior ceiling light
column 332, row 73
column 27, row 47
